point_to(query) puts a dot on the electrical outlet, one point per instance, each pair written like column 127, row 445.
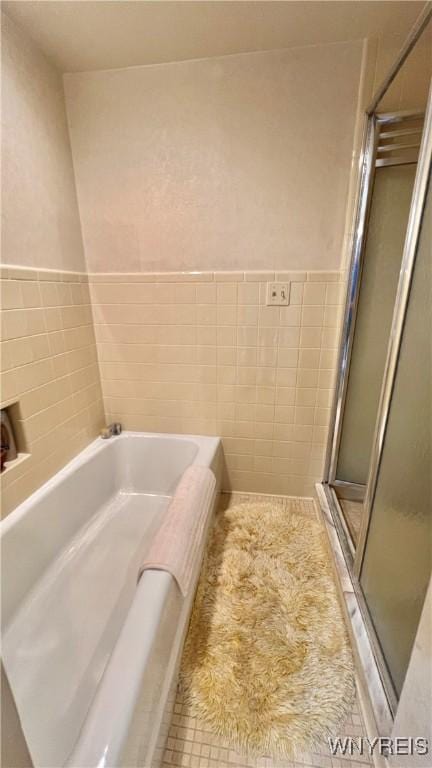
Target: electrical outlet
column 278, row 294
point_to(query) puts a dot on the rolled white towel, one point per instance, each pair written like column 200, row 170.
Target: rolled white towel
column 177, row 543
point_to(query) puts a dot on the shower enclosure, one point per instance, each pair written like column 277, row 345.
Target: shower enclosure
column 378, row 476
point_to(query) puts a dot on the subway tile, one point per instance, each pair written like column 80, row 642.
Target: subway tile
column 268, row 337
column 331, row 316
column 53, row 319
column 226, row 314
column 247, row 336
column 326, row 378
column 206, row 293
column 324, row 398
column 226, row 411
column 291, row 276
column 266, row 376
column 267, row 356
column 246, row 393
column 226, row 355
column 49, row 294
column 296, row 432
column 307, row 377
column 171, row 334
column 284, row 414
column 238, row 461
column 310, row 337
column 14, row 324
column 264, row 431
column 206, row 335
column 22, row 273
column 309, row 358
column 246, row 356
column 79, row 293
column 296, row 293
column 334, row 293
column 286, row 377
column 226, row 336
column 312, row 316
column 259, row 277
column 247, row 315
column 285, row 395
column 291, row 449
column 319, row 434
column 10, row 294
column 244, row 429
column 229, row 277
column 60, row 365
column 226, row 293
column 264, row 412
column 40, row 346
column 289, row 337
column 207, row 355
column 329, row 339
column 10, row 388
column 244, row 412
column 31, row 294
column 184, row 293
column 322, row 416
column 269, row 316
column 328, row 359
column 314, row 293
column 226, row 393
column 291, row 315
column 324, row 276
column 307, row 396
column 64, row 294
column 246, row 375
column 248, row 293
column 288, row 358
column 265, row 395
column 206, row 314
column 304, row 415
column 181, row 352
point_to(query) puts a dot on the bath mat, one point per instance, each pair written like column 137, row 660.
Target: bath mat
column 267, row 662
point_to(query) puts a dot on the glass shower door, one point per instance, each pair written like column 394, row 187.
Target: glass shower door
column 395, row 154
column 390, row 205
column 397, row 559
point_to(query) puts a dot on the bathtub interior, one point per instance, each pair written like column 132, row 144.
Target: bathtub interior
column 152, row 464
column 87, row 531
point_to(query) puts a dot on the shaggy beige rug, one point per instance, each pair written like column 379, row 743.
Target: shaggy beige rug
column 267, row 662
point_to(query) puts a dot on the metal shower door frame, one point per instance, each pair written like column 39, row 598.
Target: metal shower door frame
column 373, row 121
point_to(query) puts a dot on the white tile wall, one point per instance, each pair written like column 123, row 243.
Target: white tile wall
column 201, row 353
column 49, row 373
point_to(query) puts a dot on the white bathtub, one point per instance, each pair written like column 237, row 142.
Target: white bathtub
column 91, row 655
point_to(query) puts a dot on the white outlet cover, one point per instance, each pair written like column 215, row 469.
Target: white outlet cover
column 278, row 294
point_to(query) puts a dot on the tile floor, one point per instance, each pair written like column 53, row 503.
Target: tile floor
column 192, row 744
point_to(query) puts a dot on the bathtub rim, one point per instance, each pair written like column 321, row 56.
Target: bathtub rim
column 207, row 449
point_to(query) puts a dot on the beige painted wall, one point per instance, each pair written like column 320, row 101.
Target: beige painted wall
column 238, row 162
column 40, row 221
